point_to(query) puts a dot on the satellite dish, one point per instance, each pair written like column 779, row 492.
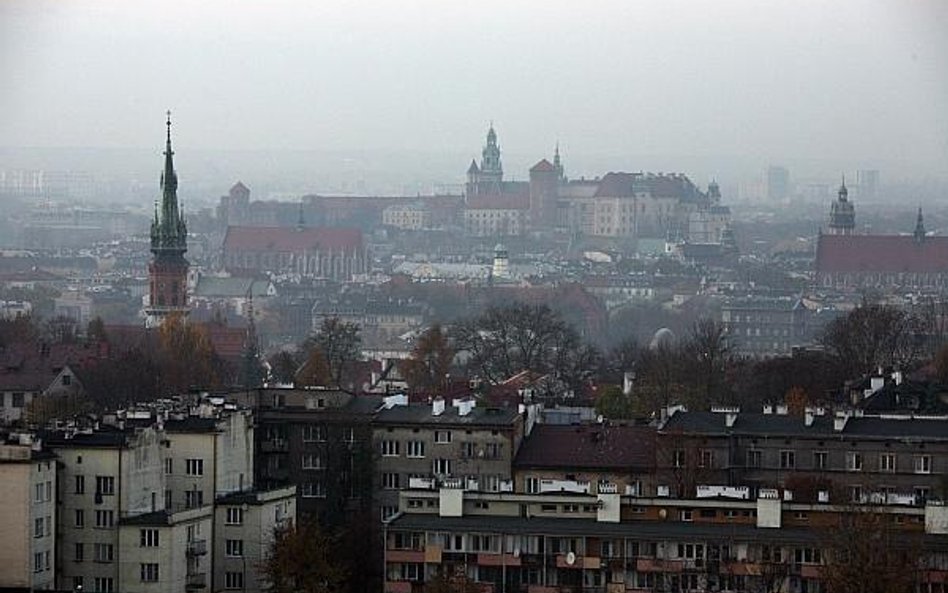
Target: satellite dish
column 571, row 558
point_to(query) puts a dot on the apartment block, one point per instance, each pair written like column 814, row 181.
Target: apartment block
column 424, row 446
column 28, row 515
column 610, row 543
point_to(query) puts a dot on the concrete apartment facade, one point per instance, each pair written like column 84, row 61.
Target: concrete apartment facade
column 28, row 516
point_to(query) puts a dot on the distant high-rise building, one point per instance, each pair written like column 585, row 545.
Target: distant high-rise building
column 168, row 270
column 867, row 180
column 778, row 183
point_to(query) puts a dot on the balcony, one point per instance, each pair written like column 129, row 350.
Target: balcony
column 398, row 587
column 572, row 486
column 421, row 483
column 405, row 556
column 197, row 547
column 196, row 580
column 498, row 560
column 658, row 565
column 608, row 488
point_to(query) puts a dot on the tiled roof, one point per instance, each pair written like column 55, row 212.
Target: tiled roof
column 599, row 446
column 881, row 253
column 544, row 166
column 281, row 239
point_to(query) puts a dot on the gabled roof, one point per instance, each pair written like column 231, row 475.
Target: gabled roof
column 881, row 253
column 544, row 166
column 597, row 446
column 473, row 168
column 282, row 239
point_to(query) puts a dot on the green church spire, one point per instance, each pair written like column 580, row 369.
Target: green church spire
column 168, row 230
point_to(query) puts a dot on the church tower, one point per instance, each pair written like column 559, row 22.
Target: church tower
column 842, row 213
column 168, row 270
column 491, row 172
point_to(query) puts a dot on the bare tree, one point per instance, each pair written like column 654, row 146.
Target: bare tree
column 873, row 336
column 339, row 343
column 430, row 361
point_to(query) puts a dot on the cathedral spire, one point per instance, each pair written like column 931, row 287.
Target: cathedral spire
column 168, row 230
column 919, row 226
column 843, row 192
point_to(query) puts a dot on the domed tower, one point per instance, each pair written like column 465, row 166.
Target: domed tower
column 168, row 270
column 842, row 213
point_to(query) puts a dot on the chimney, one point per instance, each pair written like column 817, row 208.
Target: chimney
column 730, row 418
column 437, row 406
column 839, row 422
column 627, row 380
column 875, row 384
column 897, row 377
column 465, row 407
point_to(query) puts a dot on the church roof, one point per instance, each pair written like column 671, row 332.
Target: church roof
column 881, row 253
column 473, row 168
column 544, row 166
column 239, row 187
column 284, row 239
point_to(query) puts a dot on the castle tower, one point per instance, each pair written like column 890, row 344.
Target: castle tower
column 168, row 270
column 491, row 172
column 842, row 213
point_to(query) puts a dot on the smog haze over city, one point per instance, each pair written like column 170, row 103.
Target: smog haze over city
column 396, row 94
column 502, row 296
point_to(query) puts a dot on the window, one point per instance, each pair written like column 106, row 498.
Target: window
column 104, row 519
column 923, row 464
column 468, row 450
column 416, row 449
column 706, row 458
column 533, row 485
column 38, row 562
column 687, row 515
column 235, row 516
column 390, row 481
column 38, row 527
column 854, row 461
column 788, row 459
column 193, row 499
column 387, row 512
column 148, row 538
column 80, row 519
column 233, row 580
column 149, row 572
column 390, row 448
column 312, row 461
column 169, row 466
column 104, row 584
column 314, row 489
column 492, row 450
column 442, row 437
column 80, row 484
column 38, row 493
column 234, row 547
column 104, row 552
column 442, row 467
column 678, row 458
column 194, row 467
column 313, row 434
column 105, row 485
column 49, row 490
column 18, row 399
column 887, row 462
column 753, row 458
column 855, row 493
column 820, row 459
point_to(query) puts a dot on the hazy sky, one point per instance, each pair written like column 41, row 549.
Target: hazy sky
column 777, row 79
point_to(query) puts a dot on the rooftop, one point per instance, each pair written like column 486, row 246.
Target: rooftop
column 600, row 446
